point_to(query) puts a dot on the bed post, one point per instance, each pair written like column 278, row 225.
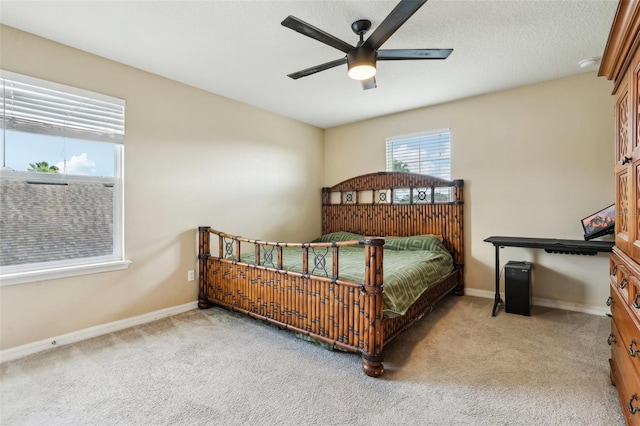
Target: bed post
column 204, row 253
column 326, row 205
column 373, row 308
column 458, row 233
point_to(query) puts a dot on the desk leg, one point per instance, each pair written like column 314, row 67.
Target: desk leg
column 497, row 299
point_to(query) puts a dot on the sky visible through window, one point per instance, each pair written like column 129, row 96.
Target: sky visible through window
column 71, row 156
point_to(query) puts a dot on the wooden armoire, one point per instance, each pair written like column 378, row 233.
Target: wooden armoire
column 621, row 63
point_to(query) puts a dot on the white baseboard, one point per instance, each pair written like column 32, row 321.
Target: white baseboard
column 548, row 303
column 87, row 333
column 99, row 330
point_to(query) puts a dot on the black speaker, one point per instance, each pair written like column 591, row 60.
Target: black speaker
column 517, row 287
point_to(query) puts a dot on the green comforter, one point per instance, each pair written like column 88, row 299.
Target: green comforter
column 409, row 267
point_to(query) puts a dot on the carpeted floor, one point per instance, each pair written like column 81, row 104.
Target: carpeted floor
column 457, row 366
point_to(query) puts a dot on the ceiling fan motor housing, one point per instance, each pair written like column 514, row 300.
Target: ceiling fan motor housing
column 362, row 56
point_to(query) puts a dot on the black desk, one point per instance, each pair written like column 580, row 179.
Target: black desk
column 550, row 245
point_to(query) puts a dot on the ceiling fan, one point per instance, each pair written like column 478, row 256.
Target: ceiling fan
column 361, row 59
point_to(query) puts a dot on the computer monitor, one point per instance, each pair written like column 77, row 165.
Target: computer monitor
column 602, row 222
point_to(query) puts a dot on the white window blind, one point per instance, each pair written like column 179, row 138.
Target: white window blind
column 38, row 106
column 426, row 153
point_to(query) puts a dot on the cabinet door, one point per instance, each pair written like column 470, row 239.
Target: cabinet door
column 624, row 138
column 632, row 160
column 634, row 217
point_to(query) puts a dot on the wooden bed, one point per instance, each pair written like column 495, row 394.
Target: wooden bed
column 315, row 301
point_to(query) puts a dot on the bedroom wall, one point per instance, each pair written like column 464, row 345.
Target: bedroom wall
column 535, row 161
column 191, row 159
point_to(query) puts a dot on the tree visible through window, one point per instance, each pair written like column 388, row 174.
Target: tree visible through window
column 425, row 153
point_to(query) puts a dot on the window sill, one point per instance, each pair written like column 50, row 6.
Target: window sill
column 61, row 272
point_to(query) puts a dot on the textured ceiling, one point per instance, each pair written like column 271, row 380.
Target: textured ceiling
column 239, row 50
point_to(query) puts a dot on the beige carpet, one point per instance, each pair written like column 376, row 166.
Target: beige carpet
column 457, row 366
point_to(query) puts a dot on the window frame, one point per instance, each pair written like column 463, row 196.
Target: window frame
column 50, row 270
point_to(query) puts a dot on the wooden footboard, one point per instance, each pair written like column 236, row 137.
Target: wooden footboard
column 344, row 314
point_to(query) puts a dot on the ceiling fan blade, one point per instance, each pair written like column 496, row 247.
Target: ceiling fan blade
column 369, row 83
column 316, row 33
column 317, row 68
column 401, row 54
column 393, row 21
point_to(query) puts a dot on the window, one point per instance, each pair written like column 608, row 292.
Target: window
column 425, row 153
column 61, row 182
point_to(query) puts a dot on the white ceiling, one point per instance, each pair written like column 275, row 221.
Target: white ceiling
column 239, row 50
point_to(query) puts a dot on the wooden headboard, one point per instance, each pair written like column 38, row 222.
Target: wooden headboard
column 397, row 204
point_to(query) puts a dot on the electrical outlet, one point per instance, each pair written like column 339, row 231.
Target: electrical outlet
column 191, row 275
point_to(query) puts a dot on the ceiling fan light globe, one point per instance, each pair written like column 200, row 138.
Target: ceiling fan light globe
column 362, row 71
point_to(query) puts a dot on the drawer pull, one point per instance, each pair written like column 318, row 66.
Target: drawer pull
column 636, row 301
column 633, row 351
column 633, row 409
column 626, row 160
column 614, row 270
column 611, row 340
column 623, row 283
column 610, row 301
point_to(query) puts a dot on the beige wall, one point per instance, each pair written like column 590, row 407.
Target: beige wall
column 535, row 161
column 191, row 158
